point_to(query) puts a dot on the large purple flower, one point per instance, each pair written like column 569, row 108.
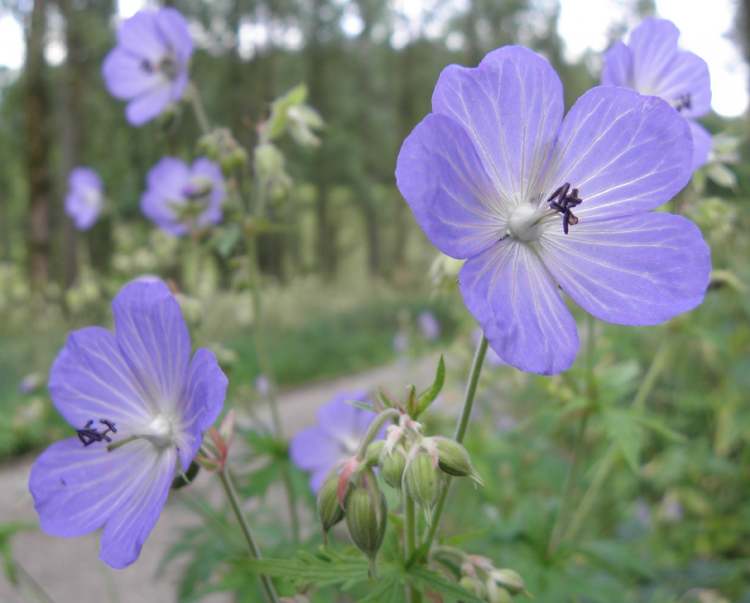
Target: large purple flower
column 139, row 405
column 653, row 64
column 181, row 198
column 534, row 202
column 85, row 198
column 149, row 65
column 335, row 438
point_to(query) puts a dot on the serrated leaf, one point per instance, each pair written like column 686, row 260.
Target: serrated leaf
column 428, row 397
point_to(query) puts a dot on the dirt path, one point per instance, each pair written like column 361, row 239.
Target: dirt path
column 69, row 570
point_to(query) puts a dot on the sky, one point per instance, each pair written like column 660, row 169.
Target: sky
column 583, row 26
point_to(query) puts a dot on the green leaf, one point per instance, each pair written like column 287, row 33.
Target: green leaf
column 277, row 122
column 428, row 397
column 625, row 430
column 226, row 239
column 451, row 591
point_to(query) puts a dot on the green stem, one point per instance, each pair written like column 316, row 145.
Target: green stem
column 461, row 426
column 658, row 363
column 410, row 543
column 200, row 112
column 374, row 429
column 226, row 480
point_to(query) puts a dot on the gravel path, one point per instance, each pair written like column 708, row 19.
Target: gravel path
column 69, row 570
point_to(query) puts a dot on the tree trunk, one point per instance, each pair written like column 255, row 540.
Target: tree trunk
column 37, row 148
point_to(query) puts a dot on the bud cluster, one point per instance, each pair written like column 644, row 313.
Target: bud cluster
column 480, row 577
column 220, row 146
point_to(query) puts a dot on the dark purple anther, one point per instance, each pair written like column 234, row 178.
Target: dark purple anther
column 562, row 200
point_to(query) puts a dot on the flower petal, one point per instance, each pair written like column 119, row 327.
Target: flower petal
column 76, row 489
column 313, row 449
column 203, row 399
column 442, row 178
column 509, row 292
column 173, row 29
column 687, row 74
column 654, row 45
column 626, row 153
column 638, row 270
column 154, row 339
column 125, row 77
column 130, row 525
column 618, row 66
column 145, row 107
column 511, row 107
column 702, row 144
column 206, row 168
column 344, row 421
column 140, row 36
column 91, row 380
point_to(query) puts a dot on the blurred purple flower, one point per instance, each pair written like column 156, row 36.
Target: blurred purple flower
column 400, row 343
column 428, row 325
column 180, row 198
column 491, row 356
column 263, row 385
column 320, row 449
column 85, row 197
column 138, row 389
column 653, row 64
column 494, row 175
column 149, row 65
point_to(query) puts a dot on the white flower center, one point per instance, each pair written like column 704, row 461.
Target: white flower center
column 161, row 432
column 525, row 223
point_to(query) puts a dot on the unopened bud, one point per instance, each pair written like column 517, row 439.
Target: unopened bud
column 472, row 585
column 392, row 467
column 454, row 460
column 374, row 450
column 421, row 479
column 366, row 515
column 508, row 579
column 329, row 509
column 497, row 594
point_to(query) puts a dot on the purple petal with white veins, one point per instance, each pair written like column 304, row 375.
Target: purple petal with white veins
column 313, row 449
column 125, row 77
column 654, row 45
column 91, row 380
column 626, row 153
column 154, row 339
column 639, row 270
column 206, row 168
column 203, row 400
column 128, row 528
column 442, row 178
column 76, row 489
column 147, row 106
column 618, row 66
column 155, row 208
column 511, row 107
column 140, row 36
column 702, row 144
column 510, row 293
column 344, row 421
column 687, row 75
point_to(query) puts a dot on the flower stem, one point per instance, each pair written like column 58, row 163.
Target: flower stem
column 410, row 543
column 226, row 480
column 374, row 429
column 461, row 426
column 200, row 112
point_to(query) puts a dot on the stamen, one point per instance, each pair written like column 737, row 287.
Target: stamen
column 562, row 200
column 684, row 101
column 89, row 435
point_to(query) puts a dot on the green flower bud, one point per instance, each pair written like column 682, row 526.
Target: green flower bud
column 508, row 579
column 472, row 585
column 329, row 510
column 496, row 594
column 421, row 480
column 392, row 468
column 454, row 460
column 366, row 515
column 374, row 450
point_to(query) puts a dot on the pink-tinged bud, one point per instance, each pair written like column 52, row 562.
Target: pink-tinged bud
column 509, row 580
column 366, row 515
column 215, row 449
column 348, row 470
column 330, row 511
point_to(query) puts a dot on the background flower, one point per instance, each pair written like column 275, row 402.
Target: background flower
column 653, row 64
column 428, row 325
column 335, row 438
column 180, row 198
column 85, row 198
column 137, row 383
column 149, row 65
column 493, row 175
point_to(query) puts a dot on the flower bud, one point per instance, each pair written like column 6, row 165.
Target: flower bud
column 374, row 450
column 366, row 515
column 497, row 594
column 392, row 467
column 329, row 510
column 454, row 460
column 421, row 479
column 509, row 580
column 472, row 585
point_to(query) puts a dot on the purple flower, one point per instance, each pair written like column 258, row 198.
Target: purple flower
column 181, row 198
column 491, row 358
column 139, row 405
column 428, row 325
column 653, row 64
column 341, row 426
column 534, row 202
column 149, row 65
column 85, row 198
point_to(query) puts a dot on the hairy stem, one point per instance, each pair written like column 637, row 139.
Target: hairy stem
column 410, row 543
column 226, row 480
column 461, row 426
column 374, row 429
